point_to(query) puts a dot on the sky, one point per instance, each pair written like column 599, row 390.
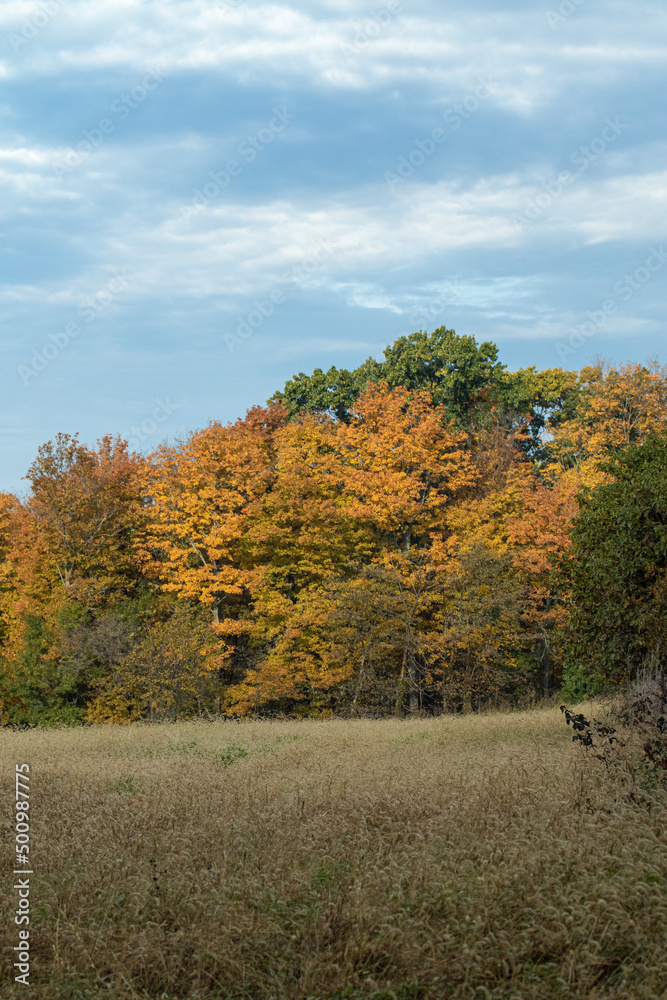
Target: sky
column 200, row 200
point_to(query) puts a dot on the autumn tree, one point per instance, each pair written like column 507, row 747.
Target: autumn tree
column 403, row 464
column 379, row 537
column 409, row 616
column 304, row 531
column 617, row 406
column 69, row 554
column 356, row 640
column 27, row 577
column 203, row 493
column 172, row 669
column 463, row 377
column 86, row 506
column 34, row 686
column 367, row 492
column 302, row 536
column 478, row 633
column 361, row 625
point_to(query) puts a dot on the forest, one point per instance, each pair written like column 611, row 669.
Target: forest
column 430, row 533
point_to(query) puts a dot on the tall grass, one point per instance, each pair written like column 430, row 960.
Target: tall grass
column 463, row 857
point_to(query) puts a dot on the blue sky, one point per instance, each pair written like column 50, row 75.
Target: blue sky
column 202, row 199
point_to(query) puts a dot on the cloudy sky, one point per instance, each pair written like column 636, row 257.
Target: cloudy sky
column 200, row 199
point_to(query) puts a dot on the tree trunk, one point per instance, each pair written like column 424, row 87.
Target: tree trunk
column 412, row 681
column 401, row 683
column 216, row 603
column 360, row 681
column 546, row 669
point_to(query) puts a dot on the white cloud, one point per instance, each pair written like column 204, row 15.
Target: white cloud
column 235, row 249
column 443, row 247
column 26, row 157
column 332, row 45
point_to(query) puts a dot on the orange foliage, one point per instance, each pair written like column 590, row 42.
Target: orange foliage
column 28, row 576
column 395, row 557
column 403, row 464
column 203, row 495
column 620, row 405
column 86, row 507
column 344, row 496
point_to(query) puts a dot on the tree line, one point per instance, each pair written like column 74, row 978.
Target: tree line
column 427, row 533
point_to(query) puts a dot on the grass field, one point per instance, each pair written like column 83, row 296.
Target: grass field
column 468, row 857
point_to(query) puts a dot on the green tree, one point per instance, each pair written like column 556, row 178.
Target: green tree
column 615, row 574
column 172, row 668
column 455, row 370
column 533, row 399
column 332, row 392
column 39, row 687
column 463, row 377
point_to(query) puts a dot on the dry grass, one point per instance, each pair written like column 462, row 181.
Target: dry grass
column 471, row 857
